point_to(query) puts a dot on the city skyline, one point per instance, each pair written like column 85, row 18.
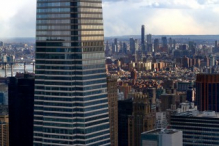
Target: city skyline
column 173, row 17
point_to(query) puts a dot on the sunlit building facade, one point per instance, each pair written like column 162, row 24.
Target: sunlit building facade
column 70, row 103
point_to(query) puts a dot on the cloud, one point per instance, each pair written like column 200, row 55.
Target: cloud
column 161, row 17
column 125, row 17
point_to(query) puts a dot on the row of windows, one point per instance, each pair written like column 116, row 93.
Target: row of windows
column 71, row 94
column 69, row 56
column 71, row 125
column 68, row 21
column 69, row 110
column 70, row 88
column 61, row 10
column 76, row 38
column 61, row 68
column 60, row 4
column 82, row 26
column 70, row 73
column 72, row 115
column 78, row 67
column 74, row 56
column 93, row 32
column 67, row 0
column 71, row 120
column 94, row 97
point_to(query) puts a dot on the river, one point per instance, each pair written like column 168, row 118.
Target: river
column 17, row 68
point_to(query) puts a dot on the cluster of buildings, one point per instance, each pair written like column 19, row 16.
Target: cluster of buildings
column 151, row 91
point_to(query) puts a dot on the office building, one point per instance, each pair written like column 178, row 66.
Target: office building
column 162, row 137
column 156, row 45
column 113, row 108
column 132, row 45
column 216, row 44
column 142, row 119
column 207, row 97
column 1, row 44
column 170, row 43
column 143, row 46
column 70, row 86
column 164, row 42
column 199, row 128
column 161, row 120
column 149, row 39
column 125, row 108
column 4, row 130
column 115, row 45
column 21, row 99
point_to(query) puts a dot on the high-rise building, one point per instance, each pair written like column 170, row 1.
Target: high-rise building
column 170, row 43
column 116, row 45
column 21, row 100
column 149, row 39
column 156, row 45
column 142, row 119
column 4, row 130
column 1, row 44
column 113, row 109
column 125, row 108
column 207, row 97
column 132, row 45
column 70, row 101
column 216, row 44
column 143, row 47
column 162, row 137
column 199, row 128
column 164, row 42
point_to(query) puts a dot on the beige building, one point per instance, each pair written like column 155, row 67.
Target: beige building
column 113, row 109
column 4, row 130
column 142, row 119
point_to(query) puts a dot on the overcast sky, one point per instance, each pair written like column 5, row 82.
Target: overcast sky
column 125, row 17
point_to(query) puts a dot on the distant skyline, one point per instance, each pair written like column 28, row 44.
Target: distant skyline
column 125, row 17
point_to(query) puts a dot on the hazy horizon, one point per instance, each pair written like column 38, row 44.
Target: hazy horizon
column 125, row 17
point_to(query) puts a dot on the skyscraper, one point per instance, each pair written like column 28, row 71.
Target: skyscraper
column 149, row 39
column 113, row 108
column 142, row 38
column 70, row 102
column 21, row 100
column 156, row 45
column 142, row 118
column 207, row 87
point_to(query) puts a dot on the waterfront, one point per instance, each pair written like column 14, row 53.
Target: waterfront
column 17, row 68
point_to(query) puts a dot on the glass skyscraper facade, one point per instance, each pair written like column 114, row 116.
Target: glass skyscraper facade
column 70, row 102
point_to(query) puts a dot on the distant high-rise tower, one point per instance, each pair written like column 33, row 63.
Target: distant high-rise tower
column 149, row 39
column 216, row 44
column 156, row 45
column 143, row 38
column 170, row 43
column 149, row 43
column 70, row 101
column 133, row 45
column 116, row 45
column 164, row 41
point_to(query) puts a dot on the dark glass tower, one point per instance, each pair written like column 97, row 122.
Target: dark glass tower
column 143, row 38
column 70, row 103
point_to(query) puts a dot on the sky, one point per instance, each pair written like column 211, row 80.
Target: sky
column 125, row 17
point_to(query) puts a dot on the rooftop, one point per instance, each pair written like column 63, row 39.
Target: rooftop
column 161, row 131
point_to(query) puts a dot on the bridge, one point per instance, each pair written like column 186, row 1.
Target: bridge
column 4, row 64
